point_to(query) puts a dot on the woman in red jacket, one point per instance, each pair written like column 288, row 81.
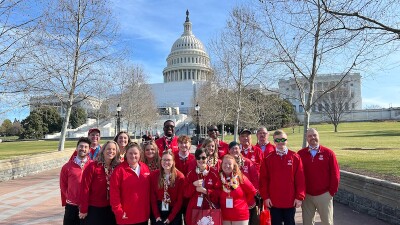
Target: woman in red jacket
column 237, row 190
column 95, row 196
column 150, row 156
column 201, row 184
column 212, row 153
column 166, row 192
column 122, row 139
column 130, row 189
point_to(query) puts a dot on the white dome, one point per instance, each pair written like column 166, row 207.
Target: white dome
column 188, row 59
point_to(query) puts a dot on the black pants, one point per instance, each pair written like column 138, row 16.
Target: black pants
column 100, row 216
column 71, row 215
column 279, row 215
column 254, row 218
column 164, row 215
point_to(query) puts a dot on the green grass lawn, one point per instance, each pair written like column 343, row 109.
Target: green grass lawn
column 371, row 148
column 8, row 149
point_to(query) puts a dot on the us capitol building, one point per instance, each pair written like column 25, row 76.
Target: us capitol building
column 188, row 67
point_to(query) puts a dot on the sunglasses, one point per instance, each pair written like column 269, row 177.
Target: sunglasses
column 211, row 130
column 169, row 126
column 201, row 157
column 280, row 140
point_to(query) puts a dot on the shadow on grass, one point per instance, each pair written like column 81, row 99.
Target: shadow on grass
column 377, row 133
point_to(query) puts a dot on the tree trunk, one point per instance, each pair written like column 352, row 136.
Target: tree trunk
column 223, row 131
column 335, row 125
column 236, row 128
column 61, row 143
column 306, row 125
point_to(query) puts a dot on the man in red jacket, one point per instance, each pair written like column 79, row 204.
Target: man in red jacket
column 169, row 142
column 248, row 150
column 70, row 182
column 282, row 183
column 321, row 171
column 263, row 143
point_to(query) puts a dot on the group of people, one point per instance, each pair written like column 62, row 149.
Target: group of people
column 160, row 181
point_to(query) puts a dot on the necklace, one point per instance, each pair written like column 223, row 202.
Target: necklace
column 229, row 183
column 152, row 165
column 167, row 183
column 108, row 173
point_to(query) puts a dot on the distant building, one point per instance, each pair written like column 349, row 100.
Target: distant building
column 188, row 67
column 90, row 104
column 289, row 90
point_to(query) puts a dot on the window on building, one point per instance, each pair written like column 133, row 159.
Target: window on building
column 346, row 106
column 182, row 103
column 301, row 108
column 352, row 94
column 351, row 84
column 320, row 107
column 353, row 105
column 294, row 108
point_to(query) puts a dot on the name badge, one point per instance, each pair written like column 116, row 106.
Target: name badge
column 229, row 202
column 164, row 206
column 199, row 201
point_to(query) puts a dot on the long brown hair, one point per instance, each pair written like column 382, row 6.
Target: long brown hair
column 115, row 161
column 162, row 172
column 235, row 170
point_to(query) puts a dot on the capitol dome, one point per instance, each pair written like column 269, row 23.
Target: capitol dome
column 188, row 59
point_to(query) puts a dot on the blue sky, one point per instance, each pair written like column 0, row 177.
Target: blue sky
column 149, row 28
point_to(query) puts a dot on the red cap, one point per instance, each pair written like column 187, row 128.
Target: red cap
column 92, row 130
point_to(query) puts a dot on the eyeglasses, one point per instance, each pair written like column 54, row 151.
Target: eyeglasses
column 201, row 157
column 211, row 130
column 280, row 140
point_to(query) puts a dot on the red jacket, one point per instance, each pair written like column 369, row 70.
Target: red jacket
column 70, row 181
column 250, row 171
column 321, row 172
column 241, row 196
column 130, row 194
column 183, row 165
column 223, row 149
column 175, row 193
column 212, row 184
column 282, row 179
column 163, row 145
column 255, row 155
column 268, row 148
column 93, row 187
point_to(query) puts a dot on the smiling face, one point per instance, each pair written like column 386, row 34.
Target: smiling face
column 312, row 137
column 281, row 145
column 122, row 140
column 184, row 147
column 109, row 152
column 169, row 129
column 210, row 148
column 133, row 156
column 94, row 136
column 82, row 150
column 235, row 151
column 167, row 162
column 202, row 161
column 213, row 132
column 228, row 165
column 245, row 139
column 149, row 151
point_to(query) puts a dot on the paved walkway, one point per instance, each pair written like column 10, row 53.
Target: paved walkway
column 36, row 200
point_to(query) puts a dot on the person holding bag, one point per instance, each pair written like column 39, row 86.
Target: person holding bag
column 237, row 191
column 201, row 186
column 166, row 192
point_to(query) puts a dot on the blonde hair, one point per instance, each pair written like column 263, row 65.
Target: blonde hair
column 206, row 142
column 162, row 171
column 115, row 161
column 235, row 170
column 143, row 157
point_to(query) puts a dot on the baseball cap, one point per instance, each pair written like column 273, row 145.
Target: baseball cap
column 243, row 131
column 92, row 130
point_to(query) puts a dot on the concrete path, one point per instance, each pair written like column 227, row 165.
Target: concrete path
column 36, row 200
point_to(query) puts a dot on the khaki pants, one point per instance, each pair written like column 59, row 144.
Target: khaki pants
column 243, row 222
column 323, row 203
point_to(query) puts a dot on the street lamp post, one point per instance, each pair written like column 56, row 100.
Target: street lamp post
column 187, row 128
column 118, row 118
column 197, row 108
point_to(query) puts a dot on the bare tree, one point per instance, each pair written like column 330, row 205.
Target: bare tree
column 75, row 41
column 238, row 51
column 137, row 100
column 307, row 43
column 336, row 104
